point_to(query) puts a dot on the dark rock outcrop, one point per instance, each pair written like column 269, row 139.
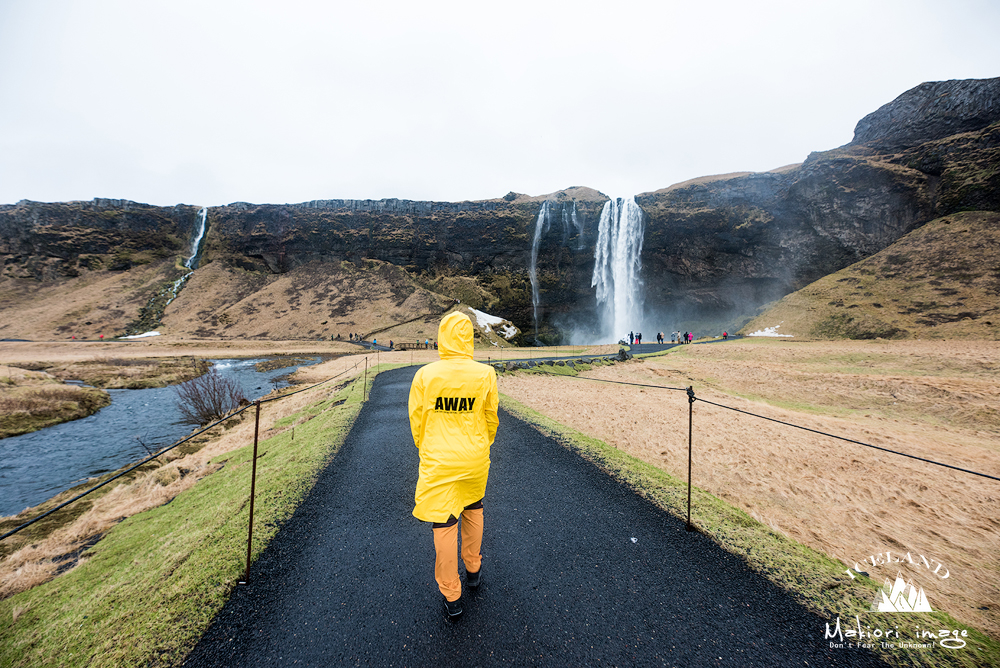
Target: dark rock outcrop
column 491, row 240
column 48, row 241
column 716, row 250
column 932, row 110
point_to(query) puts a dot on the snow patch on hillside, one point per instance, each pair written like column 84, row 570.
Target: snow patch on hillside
column 140, row 336
column 770, row 331
column 504, row 328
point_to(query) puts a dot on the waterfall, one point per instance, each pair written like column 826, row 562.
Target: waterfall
column 152, row 312
column 617, row 264
column 571, row 224
column 192, row 262
column 541, row 226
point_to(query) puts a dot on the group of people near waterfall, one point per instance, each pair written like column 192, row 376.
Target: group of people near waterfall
column 635, row 338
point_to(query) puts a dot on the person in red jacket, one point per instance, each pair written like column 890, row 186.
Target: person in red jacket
column 453, row 417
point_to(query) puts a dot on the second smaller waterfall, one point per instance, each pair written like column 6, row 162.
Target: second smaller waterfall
column 541, row 226
column 192, row 261
column 151, row 315
column 571, row 224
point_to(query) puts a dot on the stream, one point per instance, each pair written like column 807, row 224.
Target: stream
column 37, row 466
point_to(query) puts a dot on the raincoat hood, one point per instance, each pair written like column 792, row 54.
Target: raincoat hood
column 455, row 335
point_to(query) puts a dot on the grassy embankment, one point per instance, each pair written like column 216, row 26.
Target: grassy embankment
column 31, row 400
column 816, row 580
column 128, row 373
column 146, row 592
column 938, row 282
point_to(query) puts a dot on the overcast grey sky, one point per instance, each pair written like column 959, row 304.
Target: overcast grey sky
column 207, row 103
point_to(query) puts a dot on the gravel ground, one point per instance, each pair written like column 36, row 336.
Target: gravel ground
column 577, row 571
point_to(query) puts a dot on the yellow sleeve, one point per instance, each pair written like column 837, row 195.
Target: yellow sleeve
column 491, row 405
column 416, row 408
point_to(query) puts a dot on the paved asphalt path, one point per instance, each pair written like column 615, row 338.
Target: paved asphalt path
column 578, row 571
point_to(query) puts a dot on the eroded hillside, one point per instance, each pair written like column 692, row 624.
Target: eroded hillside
column 938, row 282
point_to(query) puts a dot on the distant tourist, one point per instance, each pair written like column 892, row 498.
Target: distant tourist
column 725, row 335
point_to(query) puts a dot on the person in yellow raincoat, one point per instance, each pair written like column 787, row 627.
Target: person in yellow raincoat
column 453, row 417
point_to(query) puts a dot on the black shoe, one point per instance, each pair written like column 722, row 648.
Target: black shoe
column 472, row 579
column 453, row 609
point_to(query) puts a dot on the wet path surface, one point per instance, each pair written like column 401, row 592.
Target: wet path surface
column 578, row 571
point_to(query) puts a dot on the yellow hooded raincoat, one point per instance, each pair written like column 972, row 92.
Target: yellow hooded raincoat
column 453, row 416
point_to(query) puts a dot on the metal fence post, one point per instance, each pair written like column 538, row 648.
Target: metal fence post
column 253, row 486
column 690, row 393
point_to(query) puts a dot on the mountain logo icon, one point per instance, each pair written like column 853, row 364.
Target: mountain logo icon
column 901, row 596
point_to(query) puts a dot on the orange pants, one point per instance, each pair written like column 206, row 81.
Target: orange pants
column 446, row 547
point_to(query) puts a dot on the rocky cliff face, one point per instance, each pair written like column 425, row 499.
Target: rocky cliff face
column 932, row 110
column 715, row 249
column 47, row 241
column 490, row 240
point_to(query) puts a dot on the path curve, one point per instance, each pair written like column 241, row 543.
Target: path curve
column 578, row 571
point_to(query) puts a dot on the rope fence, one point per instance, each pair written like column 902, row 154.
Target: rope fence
column 692, row 398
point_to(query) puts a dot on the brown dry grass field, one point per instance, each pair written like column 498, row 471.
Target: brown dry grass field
column 313, row 302
column 936, row 400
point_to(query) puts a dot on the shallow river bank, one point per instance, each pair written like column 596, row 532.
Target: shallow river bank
column 36, row 466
